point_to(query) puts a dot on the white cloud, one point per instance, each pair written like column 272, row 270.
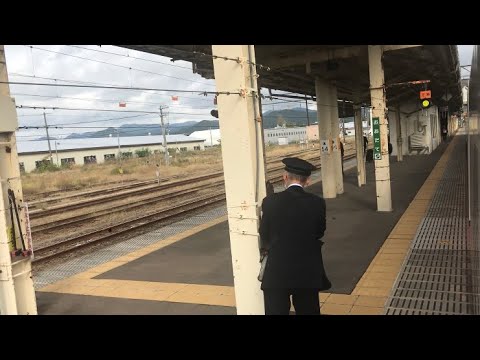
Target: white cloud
column 44, row 62
column 465, row 55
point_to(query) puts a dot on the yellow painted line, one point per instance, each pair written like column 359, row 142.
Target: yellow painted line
column 95, row 271
column 379, row 278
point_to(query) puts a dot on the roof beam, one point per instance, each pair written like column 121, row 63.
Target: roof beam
column 398, row 47
column 322, row 55
column 313, row 56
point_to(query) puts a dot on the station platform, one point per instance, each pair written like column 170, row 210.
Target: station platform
column 185, row 268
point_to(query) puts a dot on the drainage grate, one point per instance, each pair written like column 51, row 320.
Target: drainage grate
column 440, row 273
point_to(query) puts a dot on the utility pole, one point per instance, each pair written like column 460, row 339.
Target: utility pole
column 56, row 152
column 164, row 136
column 48, row 138
column 118, row 140
column 306, row 107
column 211, row 139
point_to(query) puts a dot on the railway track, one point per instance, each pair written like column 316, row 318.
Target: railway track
column 274, row 175
column 113, row 195
column 80, row 219
column 67, row 246
column 107, row 233
column 37, row 213
column 47, row 196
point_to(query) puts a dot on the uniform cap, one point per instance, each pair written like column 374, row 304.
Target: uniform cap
column 298, row 166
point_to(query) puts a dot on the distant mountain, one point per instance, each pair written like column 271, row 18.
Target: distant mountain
column 291, row 117
column 288, row 117
column 186, row 128
column 201, row 125
column 271, row 119
column 45, row 138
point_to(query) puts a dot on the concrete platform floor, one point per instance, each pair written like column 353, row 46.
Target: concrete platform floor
column 195, row 272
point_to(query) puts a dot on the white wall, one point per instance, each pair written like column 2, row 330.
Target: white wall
column 293, row 134
column 212, row 137
column 408, row 127
column 30, row 159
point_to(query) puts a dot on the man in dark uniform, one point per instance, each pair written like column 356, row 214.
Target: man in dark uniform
column 292, row 224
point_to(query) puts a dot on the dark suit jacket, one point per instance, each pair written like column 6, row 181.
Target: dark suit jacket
column 292, row 224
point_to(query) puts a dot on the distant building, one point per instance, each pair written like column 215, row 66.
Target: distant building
column 312, row 130
column 211, row 137
column 32, row 154
column 284, row 135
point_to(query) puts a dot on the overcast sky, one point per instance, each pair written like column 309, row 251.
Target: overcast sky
column 110, row 65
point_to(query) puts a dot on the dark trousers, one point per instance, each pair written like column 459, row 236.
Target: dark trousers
column 305, row 301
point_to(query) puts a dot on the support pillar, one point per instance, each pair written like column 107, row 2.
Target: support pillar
column 336, row 153
column 399, row 136
column 322, row 90
column 17, row 293
column 359, row 146
column 244, row 168
column 377, row 94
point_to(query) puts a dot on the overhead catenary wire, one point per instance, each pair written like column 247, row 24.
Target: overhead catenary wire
column 120, row 66
column 102, row 100
column 97, row 83
column 200, row 92
column 195, row 52
column 237, row 60
column 144, row 89
column 260, row 66
column 129, row 88
column 39, row 107
column 132, row 57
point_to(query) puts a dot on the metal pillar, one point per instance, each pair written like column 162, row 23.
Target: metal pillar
column 322, row 90
column 337, row 154
column 17, row 294
column 48, row 138
column 306, row 109
column 377, row 94
column 399, row 136
column 243, row 166
column 359, row 146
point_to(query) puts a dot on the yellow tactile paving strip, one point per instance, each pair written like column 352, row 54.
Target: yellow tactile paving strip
column 368, row 297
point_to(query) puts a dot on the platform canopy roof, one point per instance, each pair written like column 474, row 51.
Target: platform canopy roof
column 293, row 68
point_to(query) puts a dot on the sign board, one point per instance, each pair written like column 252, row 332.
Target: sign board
column 377, row 144
column 324, row 146
column 427, row 94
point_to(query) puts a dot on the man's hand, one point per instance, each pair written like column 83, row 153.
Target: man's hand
column 263, row 253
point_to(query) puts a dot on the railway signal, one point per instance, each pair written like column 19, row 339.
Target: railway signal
column 425, row 97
